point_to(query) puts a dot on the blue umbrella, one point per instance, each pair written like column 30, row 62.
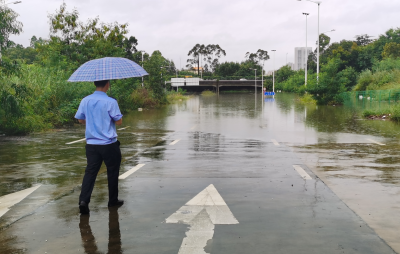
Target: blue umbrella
column 107, row 68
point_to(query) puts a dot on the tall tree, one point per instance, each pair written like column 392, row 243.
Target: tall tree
column 213, row 53
column 75, row 42
column 210, row 54
column 363, row 39
column 260, row 55
column 257, row 58
column 9, row 25
column 196, row 53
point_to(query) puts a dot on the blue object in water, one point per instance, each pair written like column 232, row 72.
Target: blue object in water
column 107, row 68
column 269, row 93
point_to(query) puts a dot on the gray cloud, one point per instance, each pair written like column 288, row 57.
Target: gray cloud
column 174, row 27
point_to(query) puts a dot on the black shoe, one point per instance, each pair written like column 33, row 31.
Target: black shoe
column 118, row 203
column 83, row 208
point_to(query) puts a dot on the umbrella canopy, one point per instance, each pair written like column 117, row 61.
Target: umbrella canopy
column 107, row 68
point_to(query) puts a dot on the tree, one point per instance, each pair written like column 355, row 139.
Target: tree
column 8, row 26
column 227, row 69
column 157, row 75
column 260, row 55
column 209, row 54
column 195, row 53
column 18, row 52
column 213, row 53
column 377, row 47
column 391, row 50
column 74, row 42
column 130, row 47
column 283, row 74
column 363, row 40
column 324, row 42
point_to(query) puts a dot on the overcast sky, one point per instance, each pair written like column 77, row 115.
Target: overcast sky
column 175, row 26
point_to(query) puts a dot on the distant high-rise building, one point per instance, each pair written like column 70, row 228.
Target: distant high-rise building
column 300, row 57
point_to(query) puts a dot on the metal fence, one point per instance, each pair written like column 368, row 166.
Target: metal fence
column 372, row 98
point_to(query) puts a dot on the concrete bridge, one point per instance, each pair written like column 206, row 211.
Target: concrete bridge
column 194, row 82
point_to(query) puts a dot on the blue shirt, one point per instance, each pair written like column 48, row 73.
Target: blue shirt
column 100, row 113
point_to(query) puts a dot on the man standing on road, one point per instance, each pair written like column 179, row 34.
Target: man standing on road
column 100, row 113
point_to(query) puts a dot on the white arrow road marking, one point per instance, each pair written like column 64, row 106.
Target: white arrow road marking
column 124, row 128
column 7, row 201
column 275, row 142
column 73, row 142
column 201, row 213
column 130, row 172
column 376, row 142
column 176, row 141
column 302, row 173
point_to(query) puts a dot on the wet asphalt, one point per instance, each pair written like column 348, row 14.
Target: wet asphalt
column 229, row 144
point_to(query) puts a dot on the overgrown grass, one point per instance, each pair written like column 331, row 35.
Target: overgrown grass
column 307, row 99
column 173, row 96
column 39, row 98
column 392, row 113
column 208, row 93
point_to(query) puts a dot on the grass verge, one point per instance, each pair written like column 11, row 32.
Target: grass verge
column 392, row 113
column 208, row 93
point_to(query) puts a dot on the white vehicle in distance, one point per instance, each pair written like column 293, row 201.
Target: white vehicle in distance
column 242, row 79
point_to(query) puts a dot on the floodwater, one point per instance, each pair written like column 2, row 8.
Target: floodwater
column 357, row 159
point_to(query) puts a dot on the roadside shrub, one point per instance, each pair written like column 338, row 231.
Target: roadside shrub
column 142, row 98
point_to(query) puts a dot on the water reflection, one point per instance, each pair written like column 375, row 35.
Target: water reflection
column 114, row 234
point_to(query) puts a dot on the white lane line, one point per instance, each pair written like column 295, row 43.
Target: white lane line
column 275, row 142
column 376, row 142
column 193, row 127
column 73, row 142
column 124, row 128
column 301, row 172
column 7, row 201
column 202, row 213
column 176, row 141
column 130, row 172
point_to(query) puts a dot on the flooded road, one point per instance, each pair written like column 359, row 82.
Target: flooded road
column 291, row 178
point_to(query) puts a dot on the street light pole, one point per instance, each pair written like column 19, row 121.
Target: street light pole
column 273, row 73
column 142, row 67
column 319, row 3
column 262, row 79
column 306, row 55
column 255, row 80
column 3, row 4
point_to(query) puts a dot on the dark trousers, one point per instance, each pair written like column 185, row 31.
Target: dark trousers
column 96, row 154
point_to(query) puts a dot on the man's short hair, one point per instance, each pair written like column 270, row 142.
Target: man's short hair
column 101, row 83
